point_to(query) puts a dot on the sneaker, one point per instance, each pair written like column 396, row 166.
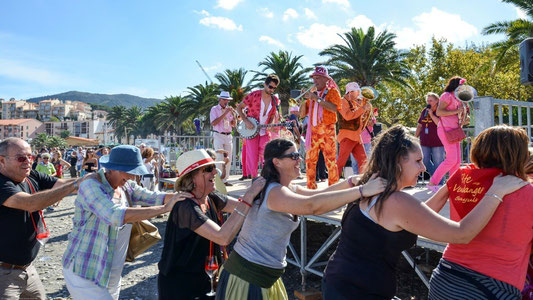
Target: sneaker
column 433, row 188
column 228, row 184
column 243, row 178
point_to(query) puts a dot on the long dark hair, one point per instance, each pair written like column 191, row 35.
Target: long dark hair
column 453, row 83
column 391, row 146
column 274, row 149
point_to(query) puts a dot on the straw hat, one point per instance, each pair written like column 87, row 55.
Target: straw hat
column 224, row 95
column 192, row 160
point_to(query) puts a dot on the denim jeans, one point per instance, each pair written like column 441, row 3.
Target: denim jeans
column 433, row 157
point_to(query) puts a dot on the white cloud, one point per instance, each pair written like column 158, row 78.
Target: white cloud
column 436, row 23
column 265, row 12
column 520, row 13
column 290, row 14
column 360, row 21
column 319, row 36
column 218, row 22
column 213, row 67
column 309, row 14
column 271, row 41
column 20, row 71
column 228, row 4
column 344, row 3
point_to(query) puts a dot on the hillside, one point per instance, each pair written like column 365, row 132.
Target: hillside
column 102, row 99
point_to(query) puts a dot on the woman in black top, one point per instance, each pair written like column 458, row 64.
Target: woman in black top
column 90, row 163
column 376, row 230
column 193, row 228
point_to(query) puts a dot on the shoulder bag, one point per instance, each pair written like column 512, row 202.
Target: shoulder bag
column 144, row 235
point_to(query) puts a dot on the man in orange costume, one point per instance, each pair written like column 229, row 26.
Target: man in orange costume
column 354, row 115
column 321, row 108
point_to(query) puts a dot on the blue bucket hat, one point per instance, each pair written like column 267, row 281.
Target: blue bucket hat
column 124, row 158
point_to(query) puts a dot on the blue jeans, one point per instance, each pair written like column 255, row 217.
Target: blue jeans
column 433, row 156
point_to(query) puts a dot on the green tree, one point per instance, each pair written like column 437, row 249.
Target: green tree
column 40, row 141
column 117, row 118
column 367, row 59
column 515, row 31
column 65, row 134
column 233, row 82
column 289, row 69
column 55, row 141
column 169, row 114
column 132, row 122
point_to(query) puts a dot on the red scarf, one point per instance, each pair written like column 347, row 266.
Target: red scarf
column 467, row 187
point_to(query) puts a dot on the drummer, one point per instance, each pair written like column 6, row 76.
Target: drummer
column 263, row 106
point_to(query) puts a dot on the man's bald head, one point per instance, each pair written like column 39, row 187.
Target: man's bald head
column 8, row 143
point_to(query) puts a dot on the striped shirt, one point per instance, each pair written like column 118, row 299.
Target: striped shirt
column 96, row 224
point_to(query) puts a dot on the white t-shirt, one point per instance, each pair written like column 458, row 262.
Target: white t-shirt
column 263, row 117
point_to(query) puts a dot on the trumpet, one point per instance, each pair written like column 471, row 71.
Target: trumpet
column 369, row 93
column 295, row 102
column 465, row 93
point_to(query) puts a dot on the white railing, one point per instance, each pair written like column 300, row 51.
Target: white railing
column 489, row 112
column 191, row 142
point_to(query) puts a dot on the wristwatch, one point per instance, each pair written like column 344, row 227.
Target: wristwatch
column 319, row 100
column 76, row 185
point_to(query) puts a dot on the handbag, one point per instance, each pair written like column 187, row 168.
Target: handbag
column 143, row 235
column 454, row 135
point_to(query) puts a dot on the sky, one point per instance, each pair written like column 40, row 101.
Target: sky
column 150, row 48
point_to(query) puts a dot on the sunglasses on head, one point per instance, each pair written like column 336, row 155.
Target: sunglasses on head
column 209, row 169
column 293, row 155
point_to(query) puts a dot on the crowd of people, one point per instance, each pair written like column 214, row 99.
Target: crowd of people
column 489, row 231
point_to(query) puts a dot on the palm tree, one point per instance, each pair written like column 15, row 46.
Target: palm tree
column 233, row 82
column 199, row 101
column 367, row 59
column 132, row 122
column 169, row 114
column 117, row 118
column 291, row 73
column 515, row 31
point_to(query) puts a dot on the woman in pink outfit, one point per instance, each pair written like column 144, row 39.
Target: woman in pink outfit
column 448, row 110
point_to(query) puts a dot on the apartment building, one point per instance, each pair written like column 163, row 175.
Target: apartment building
column 91, row 129
column 14, row 109
column 21, row 128
column 46, row 108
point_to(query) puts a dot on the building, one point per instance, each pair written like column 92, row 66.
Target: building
column 89, row 129
column 25, row 129
column 14, row 109
column 46, row 108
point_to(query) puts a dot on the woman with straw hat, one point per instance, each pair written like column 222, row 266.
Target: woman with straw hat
column 98, row 243
column 194, row 230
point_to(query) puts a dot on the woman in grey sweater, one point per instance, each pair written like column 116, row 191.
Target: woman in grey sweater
column 254, row 268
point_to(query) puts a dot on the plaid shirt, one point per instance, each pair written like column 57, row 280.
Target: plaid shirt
column 96, row 224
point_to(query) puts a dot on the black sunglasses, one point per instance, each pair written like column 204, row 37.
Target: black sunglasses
column 272, row 87
column 293, row 155
column 209, row 169
column 22, row 158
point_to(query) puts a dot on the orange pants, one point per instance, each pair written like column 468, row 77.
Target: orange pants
column 322, row 138
column 348, row 146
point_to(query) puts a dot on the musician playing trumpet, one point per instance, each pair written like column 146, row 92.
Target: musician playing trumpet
column 263, row 106
column 354, row 115
column 321, row 108
column 223, row 119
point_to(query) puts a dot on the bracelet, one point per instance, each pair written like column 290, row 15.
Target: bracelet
column 361, row 191
column 497, row 197
column 247, row 204
column 350, row 182
column 239, row 212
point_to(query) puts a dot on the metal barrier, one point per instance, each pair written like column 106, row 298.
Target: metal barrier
column 191, row 142
column 489, row 112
